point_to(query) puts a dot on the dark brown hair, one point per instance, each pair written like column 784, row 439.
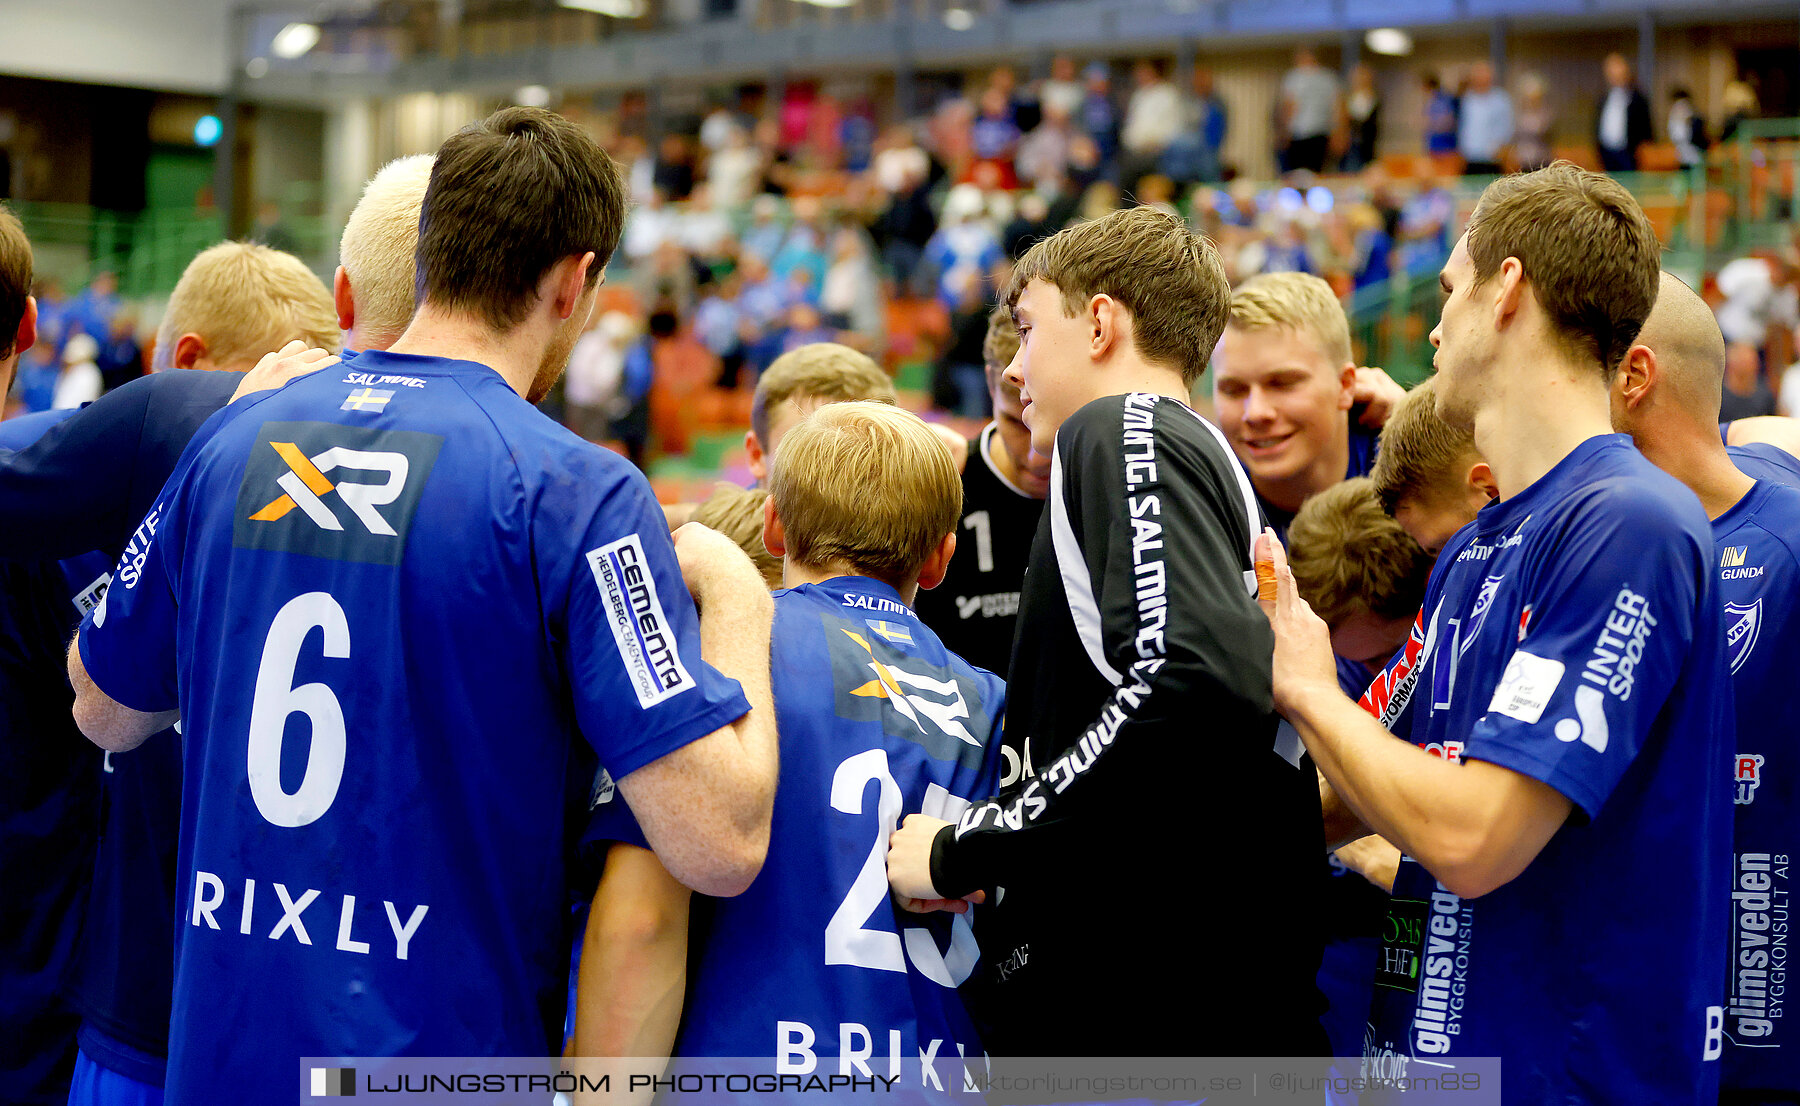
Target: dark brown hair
column 1588, row 252
column 1168, row 277
column 510, row 197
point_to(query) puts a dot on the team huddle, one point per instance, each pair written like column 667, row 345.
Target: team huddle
column 408, row 693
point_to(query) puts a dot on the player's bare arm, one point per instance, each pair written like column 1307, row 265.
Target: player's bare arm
column 1342, row 826
column 1774, row 430
column 107, row 722
column 1373, row 858
column 633, row 978
column 705, row 807
column 1473, row 825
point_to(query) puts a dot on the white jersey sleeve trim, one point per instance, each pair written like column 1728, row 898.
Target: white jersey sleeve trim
column 1079, row 589
column 1252, row 516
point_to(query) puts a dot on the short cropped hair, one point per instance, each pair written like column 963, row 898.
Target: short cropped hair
column 1299, row 302
column 1168, row 277
column 1421, row 457
column 865, row 484
column 1002, row 341
column 1588, row 253
column 15, row 279
column 1350, row 556
column 738, row 514
column 246, row 300
column 510, row 197
column 818, row 370
column 379, row 246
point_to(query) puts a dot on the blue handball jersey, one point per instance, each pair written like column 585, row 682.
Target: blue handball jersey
column 813, row 963
column 1764, row 461
column 1758, row 557
column 1572, row 634
column 387, row 599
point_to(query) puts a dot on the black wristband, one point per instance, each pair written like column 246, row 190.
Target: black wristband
column 947, row 875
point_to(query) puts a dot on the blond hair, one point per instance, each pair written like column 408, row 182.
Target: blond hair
column 245, row 300
column 1350, row 556
column 867, row 485
column 1169, row 278
column 1002, row 341
column 1421, row 457
column 818, row 370
column 738, row 514
column 1588, row 253
column 1299, row 302
column 378, row 247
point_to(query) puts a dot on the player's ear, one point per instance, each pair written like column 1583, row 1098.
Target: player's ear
column 1347, row 386
column 1511, row 280
column 772, row 537
column 343, row 300
column 1637, row 375
column 190, row 351
column 27, row 334
column 1107, row 317
column 758, row 461
column 568, row 285
column 1481, row 479
column 937, row 564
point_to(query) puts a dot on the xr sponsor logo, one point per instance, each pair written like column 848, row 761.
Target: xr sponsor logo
column 348, row 493
column 304, row 485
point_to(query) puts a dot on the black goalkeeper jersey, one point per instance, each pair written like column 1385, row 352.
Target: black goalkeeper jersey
column 1157, row 856
column 974, row 610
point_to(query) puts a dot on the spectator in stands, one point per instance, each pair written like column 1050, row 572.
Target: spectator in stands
column 850, row 296
column 594, row 385
column 1362, row 111
column 1532, row 124
column 1739, row 103
column 80, row 381
column 964, row 247
column 1193, row 154
column 674, row 171
column 272, row 231
column 1061, row 90
column 1788, row 401
column 1370, row 253
column 121, row 358
column 1043, row 157
column 1686, row 129
column 93, row 309
column 1309, row 111
column 1485, row 123
column 766, row 232
column 1099, row 115
column 35, row 383
column 1425, row 228
column 1440, row 117
column 1623, row 123
column 995, row 135
column 1746, row 393
column 734, row 172
column 1153, row 117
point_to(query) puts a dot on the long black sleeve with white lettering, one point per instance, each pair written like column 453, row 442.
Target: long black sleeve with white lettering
column 1148, row 542
column 1140, row 718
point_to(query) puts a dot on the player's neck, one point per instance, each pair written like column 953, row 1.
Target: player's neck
column 1126, row 373
column 1538, row 417
column 793, row 574
column 436, row 332
column 1326, row 470
column 1693, row 454
column 1001, row 460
